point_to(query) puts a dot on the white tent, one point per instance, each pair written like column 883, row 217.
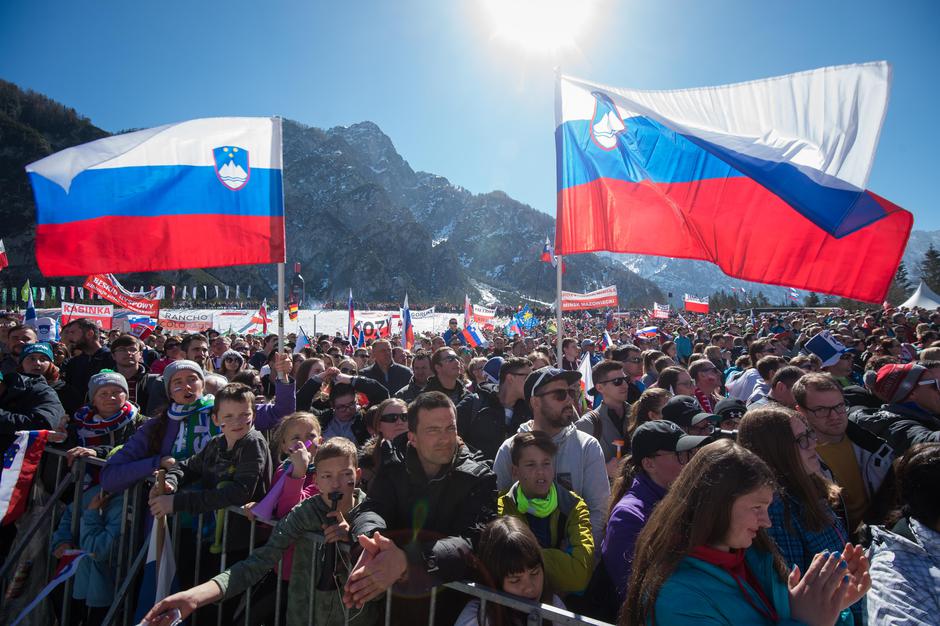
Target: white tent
column 924, row 298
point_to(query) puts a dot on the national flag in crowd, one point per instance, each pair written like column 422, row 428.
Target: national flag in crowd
column 794, row 295
column 407, row 328
column 352, row 320
column 208, row 192
column 261, row 317
column 302, row 341
column 695, row 305
column 606, row 342
column 20, row 462
column 30, row 315
column 548, row 253
column 587, row 380
column 648, row 332
column 609, row 320
column 142, row 326
column 293, row 310
column 4, row 262
column 513, row 327
column 758, row 154
column 159, row 574
column 473, row 338
column 683, row 320
column 526, row 319
column 65, row 569
column 753, row 320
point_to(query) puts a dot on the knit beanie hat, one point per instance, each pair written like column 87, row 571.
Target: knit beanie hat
column 179, row 366
column 894, row 383
column 105, row 377
column 234, row 354
column 33, row 348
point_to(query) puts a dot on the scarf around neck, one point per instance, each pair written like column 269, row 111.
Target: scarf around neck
column 196, row 426
column 178, row 412
column 734, row 564
column 93, row 429
column 539, row 507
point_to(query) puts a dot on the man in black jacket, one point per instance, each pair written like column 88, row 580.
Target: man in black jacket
column 486, row 419
column 435, row 499
column 82, row 335
column 392, row 375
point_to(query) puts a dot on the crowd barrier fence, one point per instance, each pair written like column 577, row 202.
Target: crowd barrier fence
column 127, row 558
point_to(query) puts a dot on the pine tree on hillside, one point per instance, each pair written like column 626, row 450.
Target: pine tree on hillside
column 901, row 287
column 930, row 268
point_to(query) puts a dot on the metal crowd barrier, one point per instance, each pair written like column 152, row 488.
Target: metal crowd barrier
column 128, row 557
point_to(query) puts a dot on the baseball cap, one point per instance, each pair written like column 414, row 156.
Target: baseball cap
column 586, row 342
column 661, row 436
column 548, row 374
column 685, row 411
column 730, row 408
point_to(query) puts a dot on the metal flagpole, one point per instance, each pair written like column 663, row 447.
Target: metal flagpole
column 280, row 307
column 558, row 309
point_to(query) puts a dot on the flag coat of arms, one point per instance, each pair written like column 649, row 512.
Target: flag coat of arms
column 208, row 193
column 766, row 179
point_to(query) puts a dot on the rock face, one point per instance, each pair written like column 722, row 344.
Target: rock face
column 357, row 216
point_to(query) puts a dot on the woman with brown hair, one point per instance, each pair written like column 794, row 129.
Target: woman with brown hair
column 646, row 409
column 801, row 514
column 386, row 421
column 704, row 556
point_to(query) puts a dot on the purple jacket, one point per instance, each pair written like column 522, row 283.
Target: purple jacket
column 627, row 519
column 133, row 462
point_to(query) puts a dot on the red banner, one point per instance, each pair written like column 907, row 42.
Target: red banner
column 107, row 286
column 602, row 298
column 100, row 314
column 695, row 305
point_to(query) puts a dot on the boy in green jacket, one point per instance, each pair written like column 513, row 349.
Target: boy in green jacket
column 559, row 519
column 336, row 472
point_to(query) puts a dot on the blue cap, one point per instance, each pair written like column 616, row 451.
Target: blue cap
column 33, row 348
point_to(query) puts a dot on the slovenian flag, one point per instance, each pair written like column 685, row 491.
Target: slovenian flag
column 20, row 462
column 141, row 325
column 208, row 193
column 473, row 338
column 407, row 328
column 65, row 569
column 548, row 255
column 779, row 165
column 157, row 582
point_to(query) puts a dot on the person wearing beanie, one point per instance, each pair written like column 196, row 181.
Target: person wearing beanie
column 911, row 413
column 857, row 460
column 230, row 364
column 107, row 421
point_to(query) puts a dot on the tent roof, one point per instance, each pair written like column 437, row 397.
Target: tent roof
column 924, row 298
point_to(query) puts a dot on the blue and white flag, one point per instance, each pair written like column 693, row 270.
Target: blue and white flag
column 157, row 583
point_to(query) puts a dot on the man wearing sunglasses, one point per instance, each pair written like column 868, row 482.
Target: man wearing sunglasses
column 856, row 459
column 579, row 464
column 608, row 422
column 912, row 410
column 632, row 361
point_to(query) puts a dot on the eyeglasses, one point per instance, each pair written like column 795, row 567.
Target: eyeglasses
column 560, row 395
column 807, row 440
column 231, row 358
column 349, row 406
column 681, row 457
column 391, row 418
column 826, row 411
column 616, row 382
column 348, row 371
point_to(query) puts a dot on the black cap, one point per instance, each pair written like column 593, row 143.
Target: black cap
column 544, row 375
column 684, row 411
column 730, row 408
column 621, row 354
column 661, row 436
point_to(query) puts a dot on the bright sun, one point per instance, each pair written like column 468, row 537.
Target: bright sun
column 539, row 25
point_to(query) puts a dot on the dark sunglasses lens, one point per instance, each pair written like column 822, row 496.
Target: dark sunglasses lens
column 391, row 418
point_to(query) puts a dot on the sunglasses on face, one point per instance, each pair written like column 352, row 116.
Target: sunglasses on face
column 348, row 371
column 391, row 418
column 616, row 382
column 560, row 395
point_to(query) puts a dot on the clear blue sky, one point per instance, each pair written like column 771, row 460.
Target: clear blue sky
column 455, row 101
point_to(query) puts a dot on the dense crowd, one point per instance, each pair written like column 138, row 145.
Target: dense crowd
column 730, row 469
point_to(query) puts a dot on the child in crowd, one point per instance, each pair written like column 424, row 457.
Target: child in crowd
column 107, row 421
column 336, row 474
column 559, row 519
column 511, row 559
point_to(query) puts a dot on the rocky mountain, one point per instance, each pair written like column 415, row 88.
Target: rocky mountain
column 357, row 216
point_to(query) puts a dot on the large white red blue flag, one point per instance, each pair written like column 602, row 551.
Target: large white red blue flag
column 65, row 569
column 767, row 179
column 20, row 462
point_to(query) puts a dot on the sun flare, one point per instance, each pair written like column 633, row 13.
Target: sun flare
column 539, row 25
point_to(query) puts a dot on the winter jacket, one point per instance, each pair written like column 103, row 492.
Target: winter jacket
column 295, row 531
column 702, row 594
column 410, row 391
column 901, row 425
column 579, row 467
column 601, row 425
column 456, row 394
column 569, row 560
column 396, row 378
column 742, row 386
column 77, row 371
column 875, row 458
column 798, row 545
column 98, row 532
column 226, row 477
column 27, row 403
column 905, row 575
column 627, row 519
column 135, row 461
column 482, row 421
column 437, row 520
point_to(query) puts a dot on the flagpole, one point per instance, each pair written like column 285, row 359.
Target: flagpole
column 280, row 307
column 560, row 328
column 558, row 322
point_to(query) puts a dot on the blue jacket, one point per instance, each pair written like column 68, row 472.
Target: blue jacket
column 98, row 532
column 702, row 593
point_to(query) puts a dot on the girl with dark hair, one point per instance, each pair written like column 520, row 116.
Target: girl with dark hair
column 802, row 516
column 511, row 561
column 704, row 556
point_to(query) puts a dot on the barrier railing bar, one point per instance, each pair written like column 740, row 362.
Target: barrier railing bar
column 545, row 611
column 122, row 590
column 218, row 617
column 251, row 548
column 200, row 520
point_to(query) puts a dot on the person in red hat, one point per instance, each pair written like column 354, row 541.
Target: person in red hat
column 912, row 410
